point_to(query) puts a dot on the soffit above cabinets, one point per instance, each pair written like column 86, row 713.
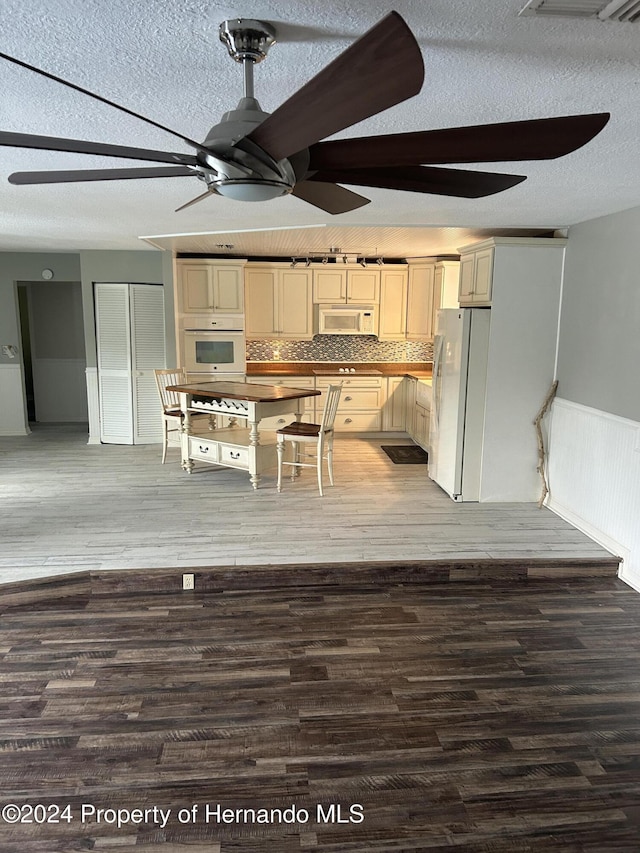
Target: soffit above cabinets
column 319, row 241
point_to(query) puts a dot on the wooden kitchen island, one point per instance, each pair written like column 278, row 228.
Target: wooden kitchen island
column 238, row 403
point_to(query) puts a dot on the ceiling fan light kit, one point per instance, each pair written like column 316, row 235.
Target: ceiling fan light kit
column 251, row 155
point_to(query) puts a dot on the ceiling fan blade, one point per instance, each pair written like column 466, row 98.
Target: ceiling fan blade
column 536, row 139
column 93, row 95
column 381, row 69
column 195, row 200
column 79, row 146
column 423, row 179
column 329, row 197
column 65, row 177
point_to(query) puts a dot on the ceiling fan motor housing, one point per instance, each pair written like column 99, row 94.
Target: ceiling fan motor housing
column 237, row 168
column 246, row 38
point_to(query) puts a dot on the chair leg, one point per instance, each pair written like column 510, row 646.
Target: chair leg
column 330, row 458
column 280, row 452
column 165, row 440
column 319, row 461
column 295, row 471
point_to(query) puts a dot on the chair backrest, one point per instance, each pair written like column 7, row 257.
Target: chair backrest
column 330, row 407
column 175, row 376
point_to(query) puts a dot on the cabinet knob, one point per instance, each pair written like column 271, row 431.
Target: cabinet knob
column 348, row 399
column 234, row 455
column 348, row 421
column 203, row 449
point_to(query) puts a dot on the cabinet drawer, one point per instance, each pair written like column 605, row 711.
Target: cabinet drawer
column 356, row 398
column 349, row 382
column 233, row 455
column 358, row 421
column 278, row 421
column 202, row 448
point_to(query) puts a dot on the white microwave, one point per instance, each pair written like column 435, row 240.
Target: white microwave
column 347, row 320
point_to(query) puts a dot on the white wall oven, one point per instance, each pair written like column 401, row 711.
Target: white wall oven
column 218, row 349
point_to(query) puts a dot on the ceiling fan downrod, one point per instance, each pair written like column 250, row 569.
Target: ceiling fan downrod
column 248, row 42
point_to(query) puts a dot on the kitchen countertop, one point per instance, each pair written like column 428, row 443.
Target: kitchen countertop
column 416, row 369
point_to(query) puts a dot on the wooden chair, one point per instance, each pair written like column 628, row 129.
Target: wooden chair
column 171, row 413
column 319, row 434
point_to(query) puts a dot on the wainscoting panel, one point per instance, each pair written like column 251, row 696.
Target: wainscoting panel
column 93, row 403
column 594, row 478
column 12, row 414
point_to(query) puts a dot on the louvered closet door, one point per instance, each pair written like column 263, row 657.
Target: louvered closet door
column 147, row 354
column 131, row 344
column 113, row 340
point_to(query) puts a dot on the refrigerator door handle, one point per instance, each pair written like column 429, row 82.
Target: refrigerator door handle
column 437, row 361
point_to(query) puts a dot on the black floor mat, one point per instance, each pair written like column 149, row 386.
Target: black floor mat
column 406, row 454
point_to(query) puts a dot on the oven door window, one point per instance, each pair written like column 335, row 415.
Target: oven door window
column 214, row 352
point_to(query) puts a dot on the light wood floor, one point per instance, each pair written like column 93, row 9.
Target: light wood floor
column 69, row 506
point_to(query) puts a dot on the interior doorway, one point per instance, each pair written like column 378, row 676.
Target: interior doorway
column 53, row 350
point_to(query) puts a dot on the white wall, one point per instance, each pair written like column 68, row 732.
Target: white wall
column 594, row 442
column 145, row 266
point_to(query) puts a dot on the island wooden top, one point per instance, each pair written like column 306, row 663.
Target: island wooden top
column 243, row 391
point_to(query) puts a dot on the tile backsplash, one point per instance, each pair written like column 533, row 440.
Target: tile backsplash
column 360, row 348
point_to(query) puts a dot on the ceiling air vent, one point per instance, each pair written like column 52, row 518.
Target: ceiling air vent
column 599, row 10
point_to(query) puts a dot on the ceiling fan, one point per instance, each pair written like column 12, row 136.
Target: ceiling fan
column 252, row 155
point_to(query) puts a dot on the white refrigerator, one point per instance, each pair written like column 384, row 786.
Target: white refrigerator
column 460, row 359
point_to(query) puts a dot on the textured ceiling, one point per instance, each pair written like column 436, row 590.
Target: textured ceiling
column 162, row 58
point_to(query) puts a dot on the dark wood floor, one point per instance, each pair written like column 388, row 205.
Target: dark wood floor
column 477, row 716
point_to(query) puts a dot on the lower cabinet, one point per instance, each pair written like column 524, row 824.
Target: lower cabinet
column 360, row 408
column 394, row 415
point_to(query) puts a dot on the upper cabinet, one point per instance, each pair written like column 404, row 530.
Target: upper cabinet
column 278, row 302
column 446, row 278
column 432, row 285
column 420, row 302
column 206, row 287
column 393, row 303
column 476, row 276
column 333, row 285
column 489, row 270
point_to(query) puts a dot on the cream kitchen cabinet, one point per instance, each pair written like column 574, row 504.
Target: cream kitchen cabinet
column 418, row 410
column 432, row 285
column 410, row 385
column 420, row 303
column 361, row 402
column 205, row 287
column 393, row 303
column 422, row 414
column 394, row 409
column 278, row 301
column 476, row 274
column 334, row 285
column 446, row 277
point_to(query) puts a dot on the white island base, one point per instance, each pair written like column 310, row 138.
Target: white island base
column 236, row 446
